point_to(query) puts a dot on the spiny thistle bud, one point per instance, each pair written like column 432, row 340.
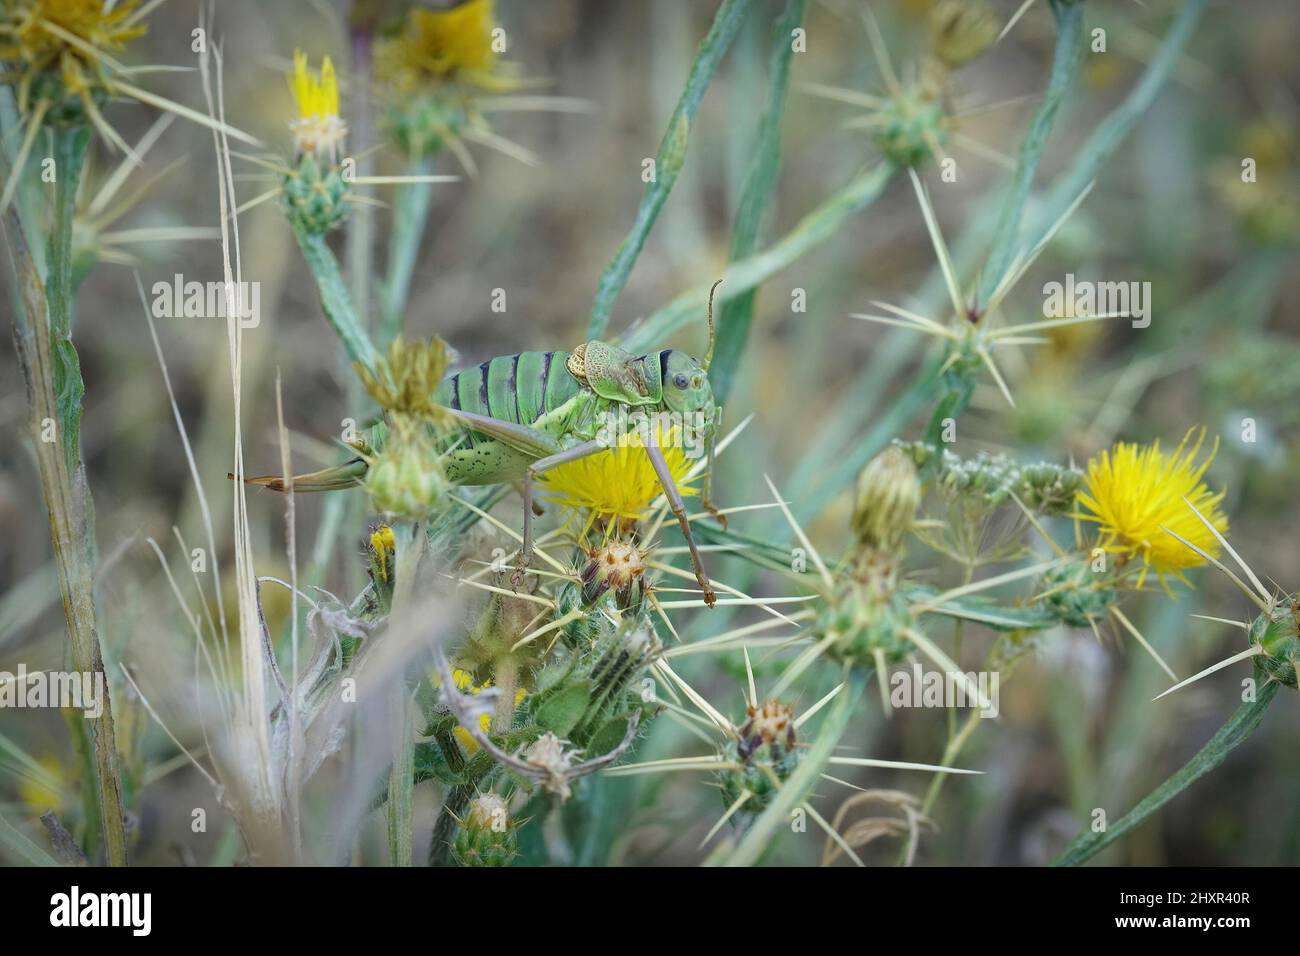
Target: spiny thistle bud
column 405, row 478
column 912, row 126
column 617, row 566
column 870, row 616
column 765, row 753
column 961, row 30
column 1278, row 633
column 1073, row 595
column 888, row 495
column 405, row 380
column 486, row 836
column 423, row 124
column 315, row 198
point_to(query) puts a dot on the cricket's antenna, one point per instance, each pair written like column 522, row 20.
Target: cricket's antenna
column 708, row 356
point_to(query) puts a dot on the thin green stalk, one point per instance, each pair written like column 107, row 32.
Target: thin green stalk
column 334, row 297
column 42, row 333
column 668, row 161
column 1237, row 728
column 70, row 145
column 411, row 546
column 401, row 783
column 411, row 203
column 763, row 833
column 1065, row 68
column 811, row 231
column 737, row 314
column 361, row 221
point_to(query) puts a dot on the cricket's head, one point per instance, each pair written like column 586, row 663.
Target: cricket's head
column 686, row 386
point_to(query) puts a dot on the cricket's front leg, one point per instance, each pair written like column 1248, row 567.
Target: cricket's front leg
column 535, row 470
column 679, row 509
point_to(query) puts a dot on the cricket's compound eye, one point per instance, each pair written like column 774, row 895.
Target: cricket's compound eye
column 681, row 381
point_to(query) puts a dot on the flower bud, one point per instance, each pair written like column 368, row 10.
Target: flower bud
column 405, row 478
column 487, row 836
column 912, row 125
column 315, row 198
column 1278, row 634
column 961, row 30
column 889, row 492
column 765, row 754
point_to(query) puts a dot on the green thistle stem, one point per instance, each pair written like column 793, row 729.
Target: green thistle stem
column 411, row 202
column 668, row 161
column 334, row 297
column 408, row 553
column 51, row 368
column 1235, row 731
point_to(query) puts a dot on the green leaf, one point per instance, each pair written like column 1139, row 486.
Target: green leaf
column 1238, row 727
column 609, row 736
column 561, row 712
column 737, row 314
column 987, row 612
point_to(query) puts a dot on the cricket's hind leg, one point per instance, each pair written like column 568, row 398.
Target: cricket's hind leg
column 348, row 475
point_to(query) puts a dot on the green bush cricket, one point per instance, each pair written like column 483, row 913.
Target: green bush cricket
column 527, row 413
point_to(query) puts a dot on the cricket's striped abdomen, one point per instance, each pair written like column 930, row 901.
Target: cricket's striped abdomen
column 512, row 388
column 522, row 389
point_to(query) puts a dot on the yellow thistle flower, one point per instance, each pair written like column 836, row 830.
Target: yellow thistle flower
column 383, row 546
column 318, row 129
column 444, row 45
column 618, row 482
column 1134, row 493
column 465, row 681
column 35, row 38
